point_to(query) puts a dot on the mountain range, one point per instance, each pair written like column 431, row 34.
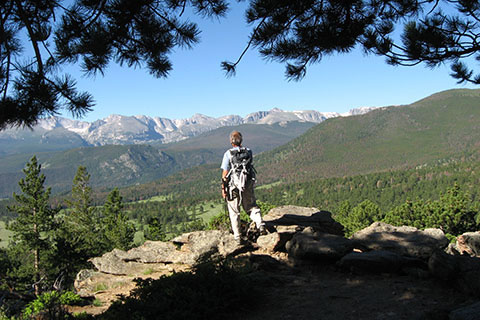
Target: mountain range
column 438, row 130
column 57, row 133
column 123, row 165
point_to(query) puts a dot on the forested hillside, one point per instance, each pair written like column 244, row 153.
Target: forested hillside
column 443, row 126
column 123, row 165
column 437, row 130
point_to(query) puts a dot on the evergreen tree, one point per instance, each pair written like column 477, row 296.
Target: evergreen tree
column 409, row 213
column 79, row 237
column 119, row 232
column 360, row 216
column 133, row 33
column 453, row 212
column 342, row 212
column 300, row 33
column 154, row 230
column 83, row 218
column 35, row 223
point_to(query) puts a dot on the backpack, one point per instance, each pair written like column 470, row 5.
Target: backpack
column 241, row 170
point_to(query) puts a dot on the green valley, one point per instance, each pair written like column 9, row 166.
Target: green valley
column 124, row 165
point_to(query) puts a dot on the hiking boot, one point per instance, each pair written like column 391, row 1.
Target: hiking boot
column 262, row 230
column 239, row 241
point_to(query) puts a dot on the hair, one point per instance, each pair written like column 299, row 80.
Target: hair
column 236, row 138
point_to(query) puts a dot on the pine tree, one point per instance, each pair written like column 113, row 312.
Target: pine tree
column 155, row 230
column 35, row 223
column 361, row 216
column 454, row 212
column 90, row 33
column 119, row 232
column 79, row 237
column 83, row 218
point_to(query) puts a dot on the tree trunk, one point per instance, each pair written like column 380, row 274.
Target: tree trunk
column 36, row 257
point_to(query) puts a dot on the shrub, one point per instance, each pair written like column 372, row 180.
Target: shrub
column 359, row 217
column 454, row 213
column 51, row 304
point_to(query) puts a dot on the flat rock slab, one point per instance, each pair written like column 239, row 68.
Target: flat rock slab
column 403, row 240
column 294, row 218
column 91, row 283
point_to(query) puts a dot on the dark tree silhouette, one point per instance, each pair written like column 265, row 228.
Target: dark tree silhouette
column 144, row 32
column 92, row 33
column 300, row 33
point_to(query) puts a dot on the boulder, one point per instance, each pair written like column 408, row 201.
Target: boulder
column 270, row 242
column 462, row 271
column 114, row 263
column 452, row 249
column 469, row 243
column 403, row 240
column 309, row 245
column 155, row 258
column 291, row 219
column 197, row 246
column 378, row 262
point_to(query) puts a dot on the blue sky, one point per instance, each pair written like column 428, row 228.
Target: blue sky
column 198, row 85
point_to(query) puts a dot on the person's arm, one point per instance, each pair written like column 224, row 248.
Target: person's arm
column 224, row 175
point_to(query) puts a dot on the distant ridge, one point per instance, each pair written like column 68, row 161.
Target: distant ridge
column 122, row 165
column 55, row 133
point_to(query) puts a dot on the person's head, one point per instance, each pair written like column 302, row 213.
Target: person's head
column 236, row 138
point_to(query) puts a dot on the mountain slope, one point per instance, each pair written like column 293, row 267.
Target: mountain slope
column 109, row 166
column 123, row 165
column 437, row 129
column 442, row 126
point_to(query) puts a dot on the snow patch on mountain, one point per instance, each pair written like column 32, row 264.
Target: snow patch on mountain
column 119, row 129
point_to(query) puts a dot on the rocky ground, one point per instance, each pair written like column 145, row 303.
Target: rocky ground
column 323, row 292
column 309, row 271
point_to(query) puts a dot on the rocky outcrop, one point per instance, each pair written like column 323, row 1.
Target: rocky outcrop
column 467, row 244
column 408, row 241
column 319, row 246
column 295, row 235
column 155, row 258
column 461, row 271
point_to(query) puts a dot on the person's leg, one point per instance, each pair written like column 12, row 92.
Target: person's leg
column 250, row 206
column 234, row 213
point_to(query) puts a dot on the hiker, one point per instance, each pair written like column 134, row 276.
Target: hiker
column 238, row 180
